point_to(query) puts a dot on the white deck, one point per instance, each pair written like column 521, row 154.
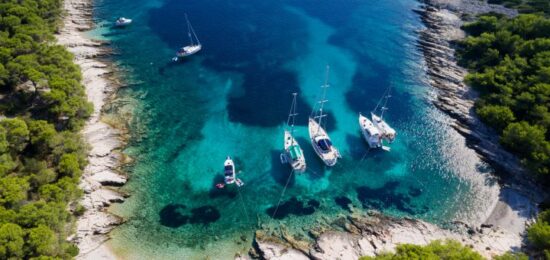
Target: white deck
column 189, row 50
column 316, row 132
column 370, row 132
column 300, row 164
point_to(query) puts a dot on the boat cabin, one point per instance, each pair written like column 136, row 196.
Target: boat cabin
column 295, row 152
column 228, row 171
column 324, row 144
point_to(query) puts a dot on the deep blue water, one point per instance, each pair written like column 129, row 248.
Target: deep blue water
column 233, row 97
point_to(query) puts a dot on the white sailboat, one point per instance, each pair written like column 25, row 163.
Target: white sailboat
column 370, row 132
column 386, row 132
column 121, row 22
column 319, row 138
column 194, row 45
column 229, row 174
column 293, row 153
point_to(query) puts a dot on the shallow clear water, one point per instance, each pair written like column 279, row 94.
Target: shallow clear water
column 233, row 99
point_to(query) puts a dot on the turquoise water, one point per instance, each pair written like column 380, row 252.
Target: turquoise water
column 233, row 98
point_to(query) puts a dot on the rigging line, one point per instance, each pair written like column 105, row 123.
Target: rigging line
column 189, row 29
column 292, row 111
column 314, row 173
column 360, row 161
column 323, row 99
column 282, row 194
column 380, row 100
column 244, row 205
column 387, row 97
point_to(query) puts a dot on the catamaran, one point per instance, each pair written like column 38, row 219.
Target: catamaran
column 229, row 174
column 293, row 153
column 194, row 45
column 370, row 132
column 319, row 138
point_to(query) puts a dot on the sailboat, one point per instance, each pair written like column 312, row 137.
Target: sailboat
column 293, row 153
column 229, row 174
column 370, row 132
column 194, row 45
column 319, row 138
column 386, row 132
column 121, row 22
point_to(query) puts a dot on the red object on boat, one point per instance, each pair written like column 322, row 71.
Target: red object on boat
column 220, row 185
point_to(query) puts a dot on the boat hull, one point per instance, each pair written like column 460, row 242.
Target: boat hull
column 316, row 132
column 370, row 132
column 386, row 131
column 229, row 164
column 299, row 163
column 188, row 50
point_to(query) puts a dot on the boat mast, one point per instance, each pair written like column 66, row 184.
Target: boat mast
column 384, row 108
column 292, row 114
column 191, row 32
column 323, row 99
column 384, row 97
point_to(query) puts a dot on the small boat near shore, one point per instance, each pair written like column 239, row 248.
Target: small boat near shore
column 293, row 153
column 194, row 43
column 229, row 174
column 320, row 140
column 122, row 21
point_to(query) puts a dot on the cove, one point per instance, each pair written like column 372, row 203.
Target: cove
column 233, row 98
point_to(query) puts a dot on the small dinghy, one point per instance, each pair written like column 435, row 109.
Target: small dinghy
column 194, row 43
column 121, row 22
column 293, row 153
column 319, row 138
column 370, row 132
column 229, row 174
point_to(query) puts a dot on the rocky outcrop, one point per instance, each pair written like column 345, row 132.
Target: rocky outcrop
column 443, row 19
column 101, row 176
column 371, row 234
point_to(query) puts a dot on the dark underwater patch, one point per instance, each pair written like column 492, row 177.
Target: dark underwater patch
column 344, row 202
column 293, row 207
column 414, row 191
column 174, row 215
column 384, row 198
column 248, row 42
column 281, row 172
column 204, row 215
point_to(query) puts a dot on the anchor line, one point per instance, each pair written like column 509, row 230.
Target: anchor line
column 244, row 204
column 282, row 194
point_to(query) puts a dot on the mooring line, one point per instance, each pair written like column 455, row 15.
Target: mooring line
column 282, row 194
column 244, row 204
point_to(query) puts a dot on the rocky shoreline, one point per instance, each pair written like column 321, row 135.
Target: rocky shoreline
column 101, row 176
column 443, row 20
column 360, row 234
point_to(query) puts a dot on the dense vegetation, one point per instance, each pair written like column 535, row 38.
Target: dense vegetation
column 525, row 6
column 438, row 250
column 42, row 107
column 509, row 60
